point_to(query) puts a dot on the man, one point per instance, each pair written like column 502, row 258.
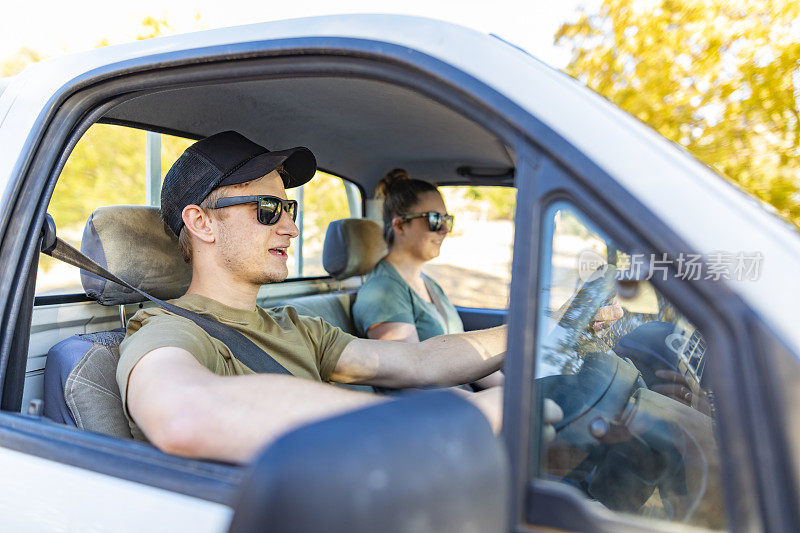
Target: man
column 187, row 393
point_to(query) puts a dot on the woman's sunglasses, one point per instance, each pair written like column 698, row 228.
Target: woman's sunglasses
column 436, row 221
column 269, row 207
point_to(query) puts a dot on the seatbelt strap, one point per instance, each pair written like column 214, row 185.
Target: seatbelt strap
column 437, row 302
column 243, row 348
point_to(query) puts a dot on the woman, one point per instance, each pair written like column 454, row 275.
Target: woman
column 398, row 302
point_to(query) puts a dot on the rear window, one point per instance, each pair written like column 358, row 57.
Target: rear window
column 117, row 165
column 474, row 264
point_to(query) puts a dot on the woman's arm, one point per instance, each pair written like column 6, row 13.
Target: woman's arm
column 393, row 331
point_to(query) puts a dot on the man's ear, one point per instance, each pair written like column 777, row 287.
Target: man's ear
column 198, row 223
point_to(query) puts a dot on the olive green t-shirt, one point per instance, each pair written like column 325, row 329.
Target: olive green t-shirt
column 306, row 346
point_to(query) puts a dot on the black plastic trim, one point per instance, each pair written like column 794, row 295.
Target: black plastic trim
column 475, row 318
column 14, row 378
column 59, row 299
column 145, row 127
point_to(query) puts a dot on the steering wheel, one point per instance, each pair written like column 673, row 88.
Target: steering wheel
column 602, row 446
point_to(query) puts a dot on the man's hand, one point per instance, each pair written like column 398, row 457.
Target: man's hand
column 606, row 316
column 552, row 414
column 490, row 402
column 683, row 390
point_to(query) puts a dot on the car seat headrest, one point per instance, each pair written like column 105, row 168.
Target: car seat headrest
column 353, row 246
column 133, row 243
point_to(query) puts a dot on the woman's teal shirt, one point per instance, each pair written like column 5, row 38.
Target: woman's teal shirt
column 386, row 297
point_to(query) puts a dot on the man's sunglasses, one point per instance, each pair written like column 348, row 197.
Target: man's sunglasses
column 436, row 221
column 269, row 207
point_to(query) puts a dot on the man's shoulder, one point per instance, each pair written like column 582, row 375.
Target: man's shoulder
column 286, row 315
column 153, row 327
column 152, row 314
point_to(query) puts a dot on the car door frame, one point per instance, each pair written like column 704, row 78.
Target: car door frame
column 744, row 392
column 59, row 127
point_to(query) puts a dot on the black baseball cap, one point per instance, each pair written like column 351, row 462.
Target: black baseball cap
column 226, row 158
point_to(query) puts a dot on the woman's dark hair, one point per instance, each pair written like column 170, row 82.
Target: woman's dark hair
column 400, row 193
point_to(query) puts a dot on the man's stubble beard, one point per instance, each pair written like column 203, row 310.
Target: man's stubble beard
column 254, row 271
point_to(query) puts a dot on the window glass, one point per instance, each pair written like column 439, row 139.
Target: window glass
column 108, row 167
column 321, row 201
column 637, row 434
column 474, row 264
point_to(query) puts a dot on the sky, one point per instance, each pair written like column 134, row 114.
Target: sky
column 54, row 28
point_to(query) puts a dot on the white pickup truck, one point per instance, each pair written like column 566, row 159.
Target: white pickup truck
column 606, row 210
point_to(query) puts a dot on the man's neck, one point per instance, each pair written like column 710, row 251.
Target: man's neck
column 228, row 292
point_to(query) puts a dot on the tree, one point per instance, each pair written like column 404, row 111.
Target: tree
column 14, row 64
column 720, row 77
column 152, row 27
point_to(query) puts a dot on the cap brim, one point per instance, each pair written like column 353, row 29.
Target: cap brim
column 299, row 163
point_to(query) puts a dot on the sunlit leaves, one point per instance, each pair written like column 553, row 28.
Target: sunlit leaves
column 718, row 77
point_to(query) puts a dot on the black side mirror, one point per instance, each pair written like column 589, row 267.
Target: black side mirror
column 425, row 462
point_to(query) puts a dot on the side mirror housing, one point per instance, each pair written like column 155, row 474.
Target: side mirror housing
column 425, row 462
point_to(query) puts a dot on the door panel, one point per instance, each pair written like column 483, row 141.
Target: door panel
column 474, row 318
column 60, row 497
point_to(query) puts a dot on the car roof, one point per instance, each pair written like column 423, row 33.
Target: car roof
column 4, row 83
column 704, row 210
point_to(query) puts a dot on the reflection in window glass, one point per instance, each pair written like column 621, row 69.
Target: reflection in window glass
column 636, row 434
column 474, row 264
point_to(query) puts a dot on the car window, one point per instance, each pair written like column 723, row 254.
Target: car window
column 638, row 432
column 321, row 201
column 474, row 264
column 109, row 166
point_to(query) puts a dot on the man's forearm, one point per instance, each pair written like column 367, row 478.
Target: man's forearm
column 439, row 361
column 256, row 409
column 186, row 410
column 461, row 358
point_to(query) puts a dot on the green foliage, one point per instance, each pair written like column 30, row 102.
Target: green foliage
column 502, row 201
column 324, row 201
column 715, row 76
column 107, row 167
column 487, row 202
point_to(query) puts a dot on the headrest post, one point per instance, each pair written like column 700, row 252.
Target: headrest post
column 122, row 319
